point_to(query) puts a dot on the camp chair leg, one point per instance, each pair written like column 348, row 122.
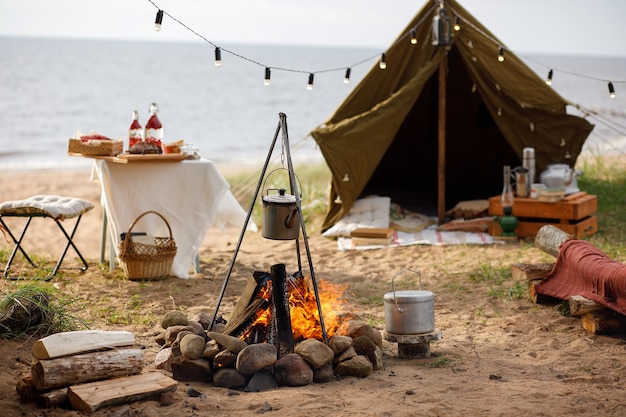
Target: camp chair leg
column 18, row 246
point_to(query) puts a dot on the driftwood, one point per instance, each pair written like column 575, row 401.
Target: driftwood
column 529, row 272
column 579, row 305
column 550, row 238
column 52, row 398
column 71, row 343
column 26, row 390
column 94, row 395
column 69, row 370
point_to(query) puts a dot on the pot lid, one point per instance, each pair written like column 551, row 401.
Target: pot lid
column 280, row 198
column 411, row 296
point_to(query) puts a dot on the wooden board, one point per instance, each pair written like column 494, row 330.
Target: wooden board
column 373, row 233
column 94, row 395
column 131, row 158
column 70, row 343
column 572, row 207
column 529, row 228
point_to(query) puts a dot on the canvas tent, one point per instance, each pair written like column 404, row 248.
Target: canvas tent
column 439, row 123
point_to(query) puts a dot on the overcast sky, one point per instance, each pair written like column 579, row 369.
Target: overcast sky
column 581, row 27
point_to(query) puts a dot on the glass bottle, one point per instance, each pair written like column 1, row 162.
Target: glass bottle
column 506, row 199
column 135, row 132
column 154, row 128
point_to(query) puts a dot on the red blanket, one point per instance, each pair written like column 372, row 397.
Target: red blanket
column 581, row 269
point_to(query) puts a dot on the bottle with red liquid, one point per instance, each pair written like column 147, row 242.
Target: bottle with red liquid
column 154, row 128
column 135, row 132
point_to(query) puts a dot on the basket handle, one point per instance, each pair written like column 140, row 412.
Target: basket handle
column 130, row 229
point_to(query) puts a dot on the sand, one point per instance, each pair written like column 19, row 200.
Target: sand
column 499, row 356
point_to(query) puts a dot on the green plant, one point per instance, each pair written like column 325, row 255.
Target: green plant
column 36, row 309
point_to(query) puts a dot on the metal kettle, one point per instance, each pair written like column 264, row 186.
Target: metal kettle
column 561, row 176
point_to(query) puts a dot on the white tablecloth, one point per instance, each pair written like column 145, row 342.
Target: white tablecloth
column 192, row 196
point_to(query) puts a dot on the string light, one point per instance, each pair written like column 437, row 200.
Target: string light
column 158, row 20
column 501, row 54
column 549, row 79
column 383, row 61
column 218, row 57
column 611, row 90
column 457, row 23
column 438, row 32
column 268, row 75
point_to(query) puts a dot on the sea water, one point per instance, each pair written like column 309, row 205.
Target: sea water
column 54, row 88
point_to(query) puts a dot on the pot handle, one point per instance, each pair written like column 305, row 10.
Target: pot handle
column 283, row 169
column 400, row 310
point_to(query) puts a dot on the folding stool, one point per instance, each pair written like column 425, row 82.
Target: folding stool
column 54, row 207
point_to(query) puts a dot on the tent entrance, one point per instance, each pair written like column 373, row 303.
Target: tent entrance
column 476, row 150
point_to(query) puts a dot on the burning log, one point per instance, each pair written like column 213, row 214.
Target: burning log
column 280, row 308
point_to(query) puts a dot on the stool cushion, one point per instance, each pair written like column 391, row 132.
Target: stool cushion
column 57, row 207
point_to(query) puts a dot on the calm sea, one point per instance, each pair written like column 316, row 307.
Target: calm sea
column 54, row 88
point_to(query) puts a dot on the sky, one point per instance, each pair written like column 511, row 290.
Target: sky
column 570, row 27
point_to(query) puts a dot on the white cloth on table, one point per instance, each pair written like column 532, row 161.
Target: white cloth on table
column 192, row 196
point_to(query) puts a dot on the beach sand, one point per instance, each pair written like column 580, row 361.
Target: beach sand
column 498, row 356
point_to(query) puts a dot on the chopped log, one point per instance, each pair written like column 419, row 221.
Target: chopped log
column 579, row 305
column 71, row 343
column 94, row 395
column 69, row 370
column 537, row 298
column 280, row 310
column 52, row 398
column 26, row 390
column 604, row 322
column 550, row 238
column 529, row 272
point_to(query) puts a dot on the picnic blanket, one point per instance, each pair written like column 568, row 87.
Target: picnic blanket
column 582, row 269
column 428, row 236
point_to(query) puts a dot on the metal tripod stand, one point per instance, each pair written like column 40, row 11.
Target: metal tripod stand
column 282, row 125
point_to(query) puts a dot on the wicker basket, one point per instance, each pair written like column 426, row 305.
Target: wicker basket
column 141, row 261
column 102, row 148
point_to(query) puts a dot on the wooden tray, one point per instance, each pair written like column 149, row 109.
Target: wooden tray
column 131, row 158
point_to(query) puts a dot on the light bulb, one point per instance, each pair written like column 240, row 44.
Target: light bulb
column 413, row 37
column 501, row 54
column 549, row 79
column 346, row 79
column 158, row 20
column 382, row 64
column 218, row 57
column 457, row 23
column 268, row 74
column 310, row 84
column 611, row 90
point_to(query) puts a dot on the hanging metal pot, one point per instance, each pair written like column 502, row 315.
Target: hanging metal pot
column 281, row 217
column 409, row 312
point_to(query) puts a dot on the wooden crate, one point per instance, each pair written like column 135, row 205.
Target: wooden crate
column 574, row 214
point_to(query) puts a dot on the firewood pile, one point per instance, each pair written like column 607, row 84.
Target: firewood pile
column 596, row 318
column 86, row 370
column 191, row 353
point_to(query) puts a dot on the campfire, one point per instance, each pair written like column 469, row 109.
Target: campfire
column 275, row 335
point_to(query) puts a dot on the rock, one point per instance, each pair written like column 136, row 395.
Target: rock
column 356, row 328
column 210, row 349
column 316, row 353
column 359, row 367
column 203, row 318
column 339, row 344
column 363, row 345
column 376, row 358
column 184, row 369
column 166, row 398
column 163, row 358
column 160, row 339
column 230, row 378
column 172, row 333
column 234, row 344
column 293, row 371
column 225, row 358
column 348, row 354
column 323, row 374
column 261, row 381
column 192, row 346
column 192, row 392
column 255, row 357
column 174, row 318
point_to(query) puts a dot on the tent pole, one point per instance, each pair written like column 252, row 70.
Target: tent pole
column 441, row 139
